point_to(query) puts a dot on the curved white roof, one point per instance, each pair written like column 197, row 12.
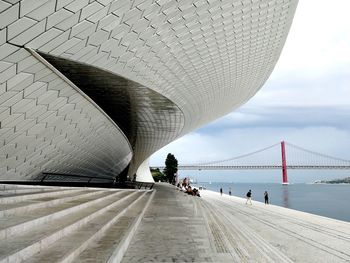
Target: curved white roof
column 204, row 57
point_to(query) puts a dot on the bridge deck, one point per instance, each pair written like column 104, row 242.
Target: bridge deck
column 260, row 167
column 214, row 228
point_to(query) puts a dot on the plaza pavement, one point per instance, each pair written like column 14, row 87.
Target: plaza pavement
column 71, row 224
column 181, row 228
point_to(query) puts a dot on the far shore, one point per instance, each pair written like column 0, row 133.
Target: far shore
column 332, row 183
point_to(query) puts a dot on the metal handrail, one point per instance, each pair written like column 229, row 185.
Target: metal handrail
column 47, row 174
column 139, row 185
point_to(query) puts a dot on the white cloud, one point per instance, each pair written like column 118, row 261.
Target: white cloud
column 318, row 40
column 305, row 101
column 314, row 67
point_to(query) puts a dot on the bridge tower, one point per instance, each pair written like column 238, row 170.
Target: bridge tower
column 284, row 164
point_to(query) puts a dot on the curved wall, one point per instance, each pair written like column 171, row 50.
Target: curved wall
column 47, row 125
column 148, row 119
column 206, row 58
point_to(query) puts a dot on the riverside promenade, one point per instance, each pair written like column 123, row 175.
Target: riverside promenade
column 78, row 224
column 181, row 228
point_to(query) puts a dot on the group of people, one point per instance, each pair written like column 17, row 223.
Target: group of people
column 188, row 189
column 249, row 196
column 229, row 191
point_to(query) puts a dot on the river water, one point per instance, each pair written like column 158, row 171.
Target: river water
column 327, row 200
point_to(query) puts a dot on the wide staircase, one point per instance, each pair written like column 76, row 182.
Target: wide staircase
column 66, row 224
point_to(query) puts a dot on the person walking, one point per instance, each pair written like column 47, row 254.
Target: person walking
column 249, row 197
column 266, row 197
column 229, row 191
column 221, row 190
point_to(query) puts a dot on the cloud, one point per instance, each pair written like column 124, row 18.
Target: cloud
column 273, row 116
column 305, row 102
column 332, row 89
column 319, row 38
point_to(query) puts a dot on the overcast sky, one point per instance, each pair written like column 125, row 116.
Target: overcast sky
column 306, row 101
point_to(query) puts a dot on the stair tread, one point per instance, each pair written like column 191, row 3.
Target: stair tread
column 13, row 244
column 11, row 194
column 40, row 199
column 23, row 190
column 13, row 220
column 69, row 243
column 16, row 186
column 101, row 250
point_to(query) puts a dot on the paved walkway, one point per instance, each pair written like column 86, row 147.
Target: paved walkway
column 214, row 228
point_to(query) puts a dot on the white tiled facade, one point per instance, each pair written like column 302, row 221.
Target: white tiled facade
column 206, row 57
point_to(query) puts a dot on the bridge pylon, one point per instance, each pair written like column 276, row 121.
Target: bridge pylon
column 284, row 163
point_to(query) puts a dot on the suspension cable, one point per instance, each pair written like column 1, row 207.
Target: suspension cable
column 316, row 153
column 236, row 157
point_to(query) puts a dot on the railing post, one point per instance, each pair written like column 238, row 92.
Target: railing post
column 284, row 164
column 43, row 178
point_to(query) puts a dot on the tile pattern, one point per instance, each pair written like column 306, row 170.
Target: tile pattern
column 172, row 230
column 214, row 228
column 148, row 119
column 47, row 126
column 207, row 57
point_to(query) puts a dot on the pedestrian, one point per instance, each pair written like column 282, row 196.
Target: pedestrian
column 221, row 190
column 266, row 197
column 229, row 191
column 249, row 197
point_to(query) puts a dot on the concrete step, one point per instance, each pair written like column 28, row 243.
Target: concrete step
column 15, row 191
column 30, row 204
column 38, row 237
column 133, row 220
column 14, row 198
column 15, row 224
column 63, row 224
column 18, row 186
column 98, row 239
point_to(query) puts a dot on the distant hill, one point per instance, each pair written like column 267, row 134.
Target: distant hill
column 335, row 181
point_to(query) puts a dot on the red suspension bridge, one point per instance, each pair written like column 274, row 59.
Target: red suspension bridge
column 298, row 158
